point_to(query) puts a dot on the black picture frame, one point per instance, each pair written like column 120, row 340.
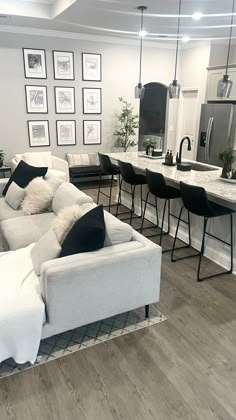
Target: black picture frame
column 48, row 133
column 56, row 88
column 27, row 103
column 100, row 133
column 54, row 52
column 57, row 132
column 91, row 90
column 44, row 63
column 87, row 78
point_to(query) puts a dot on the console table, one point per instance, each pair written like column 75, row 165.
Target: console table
column 4, row 169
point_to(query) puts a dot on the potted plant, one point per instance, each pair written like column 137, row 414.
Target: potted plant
column 228, row 157
column 1, row 158
column 149, row 144
column 126, row 127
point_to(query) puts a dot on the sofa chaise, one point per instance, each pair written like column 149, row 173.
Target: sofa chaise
column 80, row 289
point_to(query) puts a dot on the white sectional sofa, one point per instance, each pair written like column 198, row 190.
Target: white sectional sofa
column 56, row 166
column 83, row 288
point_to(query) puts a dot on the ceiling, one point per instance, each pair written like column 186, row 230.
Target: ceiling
column 121, row 17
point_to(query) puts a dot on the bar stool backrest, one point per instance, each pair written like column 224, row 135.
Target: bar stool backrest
column 127, row 172
column 105, row 163
column 195, row 200
column 157, row 184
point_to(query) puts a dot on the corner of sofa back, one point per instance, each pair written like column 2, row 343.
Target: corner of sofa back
column 82, row 159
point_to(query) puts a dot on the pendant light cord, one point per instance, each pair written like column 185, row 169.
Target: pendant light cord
column 177, row 43
column 230, row 39
column 141, row 48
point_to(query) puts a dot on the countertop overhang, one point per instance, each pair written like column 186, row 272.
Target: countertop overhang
column 210, row 180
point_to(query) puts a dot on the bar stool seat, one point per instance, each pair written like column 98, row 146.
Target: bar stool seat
column 107, row 168
column 133, row 179
column 196, row 202
column 160, row 190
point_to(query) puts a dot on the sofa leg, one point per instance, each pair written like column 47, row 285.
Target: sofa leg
column 147, row 311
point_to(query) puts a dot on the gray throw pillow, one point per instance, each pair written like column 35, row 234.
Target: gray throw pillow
column 14, row 196
column 46, row 249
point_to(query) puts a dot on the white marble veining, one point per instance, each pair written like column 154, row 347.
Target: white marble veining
column 211, row 180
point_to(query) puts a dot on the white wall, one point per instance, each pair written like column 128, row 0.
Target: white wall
column 193, row 76
column 120, row 75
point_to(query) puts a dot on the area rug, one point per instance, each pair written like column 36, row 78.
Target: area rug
column 87, row 336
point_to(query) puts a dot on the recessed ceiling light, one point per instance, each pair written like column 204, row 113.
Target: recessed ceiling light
column 142, row 33
column 186, row 38
column 197, row 16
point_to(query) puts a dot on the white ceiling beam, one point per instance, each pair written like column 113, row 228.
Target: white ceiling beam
column 25, row 8
column 59, row 6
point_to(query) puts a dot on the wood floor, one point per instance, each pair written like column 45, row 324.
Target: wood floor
column 183, row 368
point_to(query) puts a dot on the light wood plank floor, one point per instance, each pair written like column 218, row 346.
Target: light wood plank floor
column 184, row 368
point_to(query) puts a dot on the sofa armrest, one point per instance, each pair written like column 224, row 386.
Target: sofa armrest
column 78, row 291
column 61, row 165
column 3, row 183
column 14, row 163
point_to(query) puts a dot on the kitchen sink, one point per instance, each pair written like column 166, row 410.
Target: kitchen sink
column 201, row 167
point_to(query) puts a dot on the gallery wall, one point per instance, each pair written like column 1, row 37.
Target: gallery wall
column 119, row 76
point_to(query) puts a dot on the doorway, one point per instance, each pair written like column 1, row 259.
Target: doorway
column 152, row 114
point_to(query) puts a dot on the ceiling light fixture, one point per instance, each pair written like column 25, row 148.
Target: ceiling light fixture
column 142, row 33
column 225, row 84
column 186, row 39
column 174, row 87
column 197, row 15
column 140, row 89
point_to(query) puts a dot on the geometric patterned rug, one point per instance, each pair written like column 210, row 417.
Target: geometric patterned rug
column 86, row 336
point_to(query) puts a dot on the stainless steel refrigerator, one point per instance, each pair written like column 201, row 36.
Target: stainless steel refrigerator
column 217, row 132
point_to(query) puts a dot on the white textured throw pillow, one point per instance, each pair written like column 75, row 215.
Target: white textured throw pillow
column 38, row 197
column 14, row 196
column 46, row 249
column 64, row 221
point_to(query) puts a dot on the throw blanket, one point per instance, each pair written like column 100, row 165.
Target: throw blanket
column 21, row 307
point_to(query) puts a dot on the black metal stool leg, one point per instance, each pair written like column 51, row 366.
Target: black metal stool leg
column 119, row 194
column 141, row 195
column 176, row 233
column 132, row 206
column 110, row 196
column 157, row 212
column 147, row 311
column 162, row 223
column 144, row 211
column 202, row 248
column 99, row 187
column 232, row 243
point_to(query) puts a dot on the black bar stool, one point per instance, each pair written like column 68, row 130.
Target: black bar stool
column 159, row 189
column 195, row 201
column 133, row 179
column 110, row 169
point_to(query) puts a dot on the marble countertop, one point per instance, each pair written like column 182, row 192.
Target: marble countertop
column 210, row 180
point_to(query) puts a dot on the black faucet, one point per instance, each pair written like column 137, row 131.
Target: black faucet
column 179, row 155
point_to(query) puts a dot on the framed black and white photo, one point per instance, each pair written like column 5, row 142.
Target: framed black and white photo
column 34, row 64
column 38, row 133
column 92, row 132
column 65, row 100
column 36, row 99
column 92, row 101
column 91, row 67
column 63, row 63
column 66, row 133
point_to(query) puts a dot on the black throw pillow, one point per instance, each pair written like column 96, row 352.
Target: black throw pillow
column 23, row 174
column 87, row 234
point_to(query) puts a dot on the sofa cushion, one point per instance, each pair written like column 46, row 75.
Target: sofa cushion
column 38, row 197
column 7, row 212
column 82, row 159
column 47, row 248
column 23, row 174
column 38, row 159
column 14, row 196
column 24, row 230
column 87, row 234
column 67, row 195
column 53, row 181
column 117, row 232
column 59, row 174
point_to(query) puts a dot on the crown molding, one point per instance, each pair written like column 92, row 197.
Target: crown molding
column 51, row 33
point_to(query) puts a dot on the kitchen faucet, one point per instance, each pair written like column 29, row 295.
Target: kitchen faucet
column 179, row 154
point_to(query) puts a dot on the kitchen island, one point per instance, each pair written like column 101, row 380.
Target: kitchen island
column 217, row 190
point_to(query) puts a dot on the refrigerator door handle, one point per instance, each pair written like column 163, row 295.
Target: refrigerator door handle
column 209, row 138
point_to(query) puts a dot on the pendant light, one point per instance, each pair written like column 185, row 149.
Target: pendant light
column 225, row 85
column 174, row 87
column 140, row 89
